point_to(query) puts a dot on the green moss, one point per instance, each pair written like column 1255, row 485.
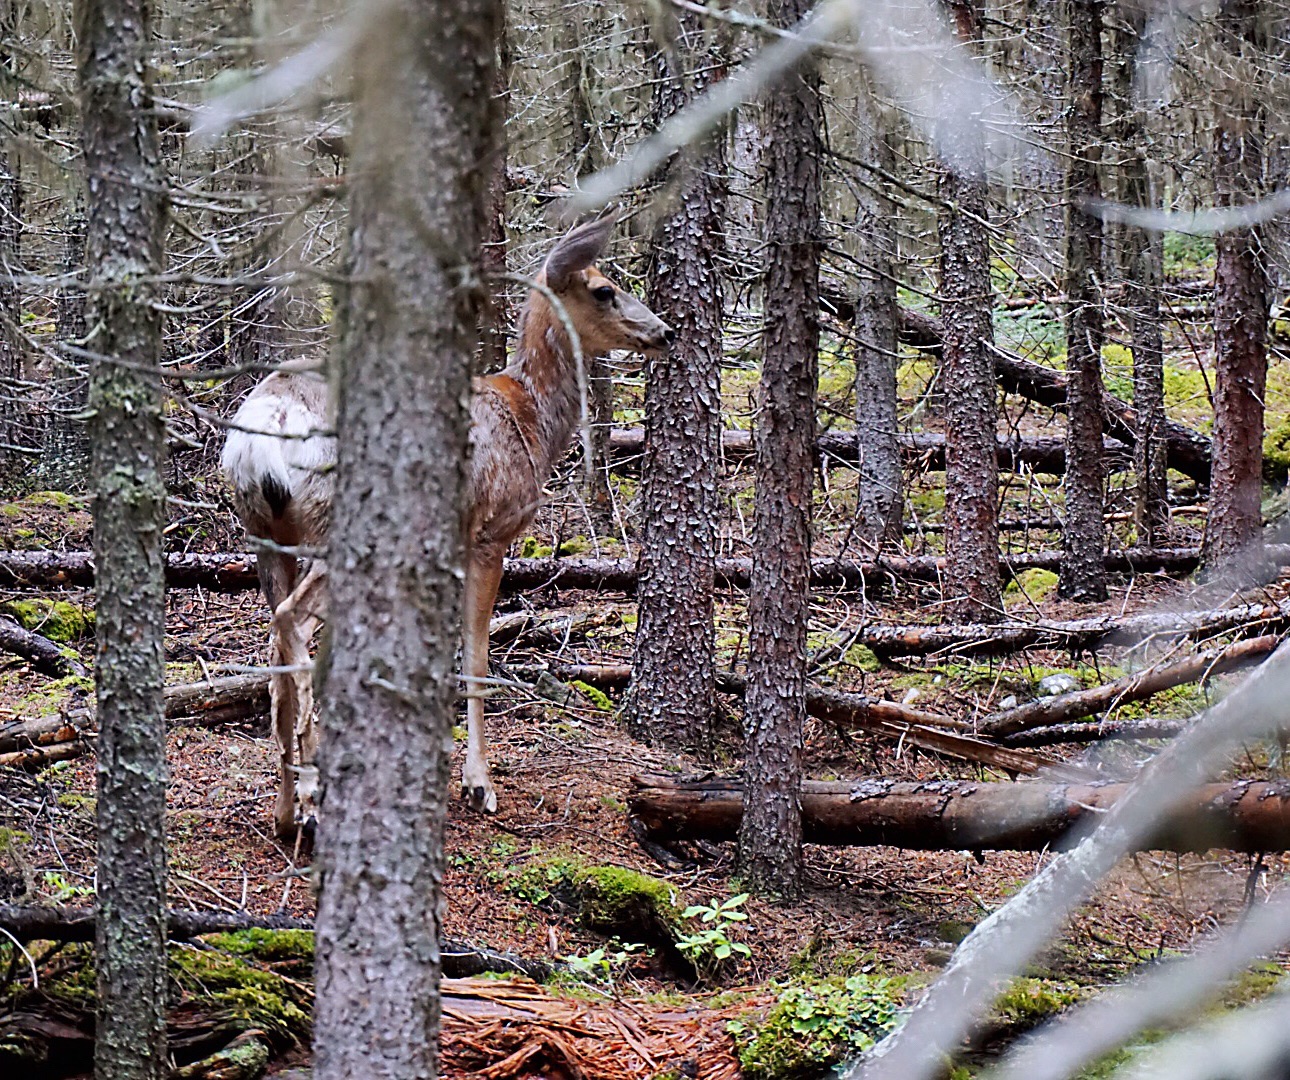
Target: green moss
column 59, row 499
column 57, row 620
column 610, row 900
column 1028, row 1001
column 602, row 701
column 268, row 946
column 55, row 696
column 814, row 1026
column 250, row 996
column 1034, row 583
column 1276, row 453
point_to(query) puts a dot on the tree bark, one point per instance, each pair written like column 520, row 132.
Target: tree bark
column 13, row 437
column 770, row 838
column 65, row 462
column 879, row 516
column 967, row 367
column 424, row 85
column 1084, row 536
column 1240, row 301
column 950, row 815
column 126, row 222
column 673, row 698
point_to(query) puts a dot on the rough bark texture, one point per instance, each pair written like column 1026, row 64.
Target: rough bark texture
column 124, row 246
column 879, row 507
column 1082, row 573
column 424, row 85
column 770, row 838
column 1144, row 276
column 673, row 696
column 967, row 369
column 495, row 322
column 1240, row 303
column 947, row 815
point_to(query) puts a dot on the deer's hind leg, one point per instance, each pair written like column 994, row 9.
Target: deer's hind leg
column 483, row 576
column 294, row 622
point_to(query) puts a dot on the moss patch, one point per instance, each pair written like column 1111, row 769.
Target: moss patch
column 57, row 620
column 814, row 1026
column 1036, row 584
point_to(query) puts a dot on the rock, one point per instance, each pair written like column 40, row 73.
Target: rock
column 1010, row 702
column 1058, row 683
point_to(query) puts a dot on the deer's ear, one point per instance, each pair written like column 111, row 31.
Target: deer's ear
column 578, row 249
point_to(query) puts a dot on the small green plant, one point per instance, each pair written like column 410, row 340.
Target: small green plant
column 710, row 944
column 812, row 1027
column 601, row 965
column 63, row 890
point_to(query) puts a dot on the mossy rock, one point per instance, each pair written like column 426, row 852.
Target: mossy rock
column 1028, row 1001
column 1036, row 584
column 815, row 1025
column 58, row 620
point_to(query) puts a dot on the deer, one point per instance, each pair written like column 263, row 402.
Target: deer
column 280, row 451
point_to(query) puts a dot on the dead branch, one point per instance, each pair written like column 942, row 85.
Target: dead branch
column 45, row 656
column 230, row 572
column 922, row 451
column 953, row 815
column 1105, row 731
column 1188, row 451
column 977, row 639
column 1064, row 708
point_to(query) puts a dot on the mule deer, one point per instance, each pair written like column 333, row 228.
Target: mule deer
column 278, row 458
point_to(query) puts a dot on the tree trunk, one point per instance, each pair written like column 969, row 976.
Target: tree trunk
column 951, row 815
column 66, row 457
column 673, row 696
column 879, row 506
column 495, row 326
column 1082, row 573
column 126, row 227
column 770, row 838
column 1144, row 277
column 1240, row 305
column 424, row 119
column 13, row 437
column 967, row 366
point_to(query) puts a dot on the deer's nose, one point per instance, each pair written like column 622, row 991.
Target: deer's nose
column 669, row 335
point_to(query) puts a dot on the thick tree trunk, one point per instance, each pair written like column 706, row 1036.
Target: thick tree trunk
column 967, row 368
column 424, row 90
column 879, row 506
column 124, row 246
column 1240, row 306
column 770, row 837
column 1082, row 575
column 951, row 815
column 673, row 696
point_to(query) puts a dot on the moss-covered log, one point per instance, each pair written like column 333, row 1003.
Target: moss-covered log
column 951, row 815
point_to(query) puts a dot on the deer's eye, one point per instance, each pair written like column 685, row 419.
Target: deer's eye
column 603, row 293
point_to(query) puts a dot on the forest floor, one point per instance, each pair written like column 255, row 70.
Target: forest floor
column 564, row 772
column 564, row 775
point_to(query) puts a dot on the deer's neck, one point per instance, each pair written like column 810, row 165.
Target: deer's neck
column 544, row 365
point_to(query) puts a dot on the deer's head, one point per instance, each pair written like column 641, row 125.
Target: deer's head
column 605, row 317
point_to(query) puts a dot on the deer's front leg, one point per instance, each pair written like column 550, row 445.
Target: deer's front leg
column 483, row 576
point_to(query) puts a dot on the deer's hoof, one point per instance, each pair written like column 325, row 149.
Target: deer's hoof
column 480, row 797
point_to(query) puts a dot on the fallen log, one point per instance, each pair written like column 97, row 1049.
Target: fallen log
column 1103, row 731
column 36, row 922
column 923, row 451
column 226, row 572
column 851, row 712
column 1063, row 708
column 952, row 815
column 45, row 656
column 1188, row 451
column 981, row 639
